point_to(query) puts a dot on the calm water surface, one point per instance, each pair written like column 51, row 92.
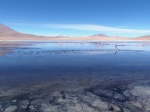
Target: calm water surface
column 36, row 62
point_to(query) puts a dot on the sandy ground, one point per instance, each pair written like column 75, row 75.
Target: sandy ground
column 58, row 39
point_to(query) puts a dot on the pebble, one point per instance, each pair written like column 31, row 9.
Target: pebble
column 11, row 109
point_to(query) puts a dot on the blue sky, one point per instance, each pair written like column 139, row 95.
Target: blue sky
column 77, row 17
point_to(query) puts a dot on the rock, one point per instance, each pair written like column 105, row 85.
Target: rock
column 127, row 93
column 108, row 111
column 14, row 101
column 147, row 108
column 137, row 104
column 75, row 108
column 146, row 105
column 100, row 104
column 136, row 98
column 87, row 108
column 45, row 108
column 36, row 102
column 94, row 100
column 107, row 93
column 60, row 100
column 11, row 109
column 119, row 97
column 1, row 109
column 32, row 108
column 126, row 110
column 24, row 104
column 50, row 108
column 74, row 102
column 113, row 107
column 140, row 90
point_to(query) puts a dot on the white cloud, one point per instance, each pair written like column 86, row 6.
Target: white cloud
column 89, row 27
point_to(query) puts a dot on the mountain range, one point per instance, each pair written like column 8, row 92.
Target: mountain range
column 7, row 33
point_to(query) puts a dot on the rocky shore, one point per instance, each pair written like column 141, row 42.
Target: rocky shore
column 134, row 97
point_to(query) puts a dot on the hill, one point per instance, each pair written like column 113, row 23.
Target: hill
column 7, row 33
column 146, row 37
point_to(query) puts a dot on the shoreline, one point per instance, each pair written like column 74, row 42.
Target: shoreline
column 74, row 40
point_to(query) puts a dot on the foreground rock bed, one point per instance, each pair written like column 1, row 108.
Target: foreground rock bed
column 131, row 98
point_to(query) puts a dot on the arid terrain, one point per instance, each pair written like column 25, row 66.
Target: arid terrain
column 7, row 33
column 74, row 55
column 46, row 74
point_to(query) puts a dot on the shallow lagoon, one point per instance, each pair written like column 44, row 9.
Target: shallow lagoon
column 34, row 60
column 46, row 67
column 76, row 57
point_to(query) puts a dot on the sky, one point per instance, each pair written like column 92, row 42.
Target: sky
column 127, row 18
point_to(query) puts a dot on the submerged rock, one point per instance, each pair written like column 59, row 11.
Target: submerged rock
column 11, row 109
column 134, row 98
column 24, row 104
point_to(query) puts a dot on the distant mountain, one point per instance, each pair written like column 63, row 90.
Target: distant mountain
column 146, row 37
column 4, row 30
column 99, row 35
column 7, row 33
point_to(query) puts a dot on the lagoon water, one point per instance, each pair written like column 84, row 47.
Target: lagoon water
column 70, row 76
column 31, row 66
column 75, row 57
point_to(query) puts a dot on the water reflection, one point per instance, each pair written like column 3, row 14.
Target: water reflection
column 35, row 65
column 88, row 48
column 96, row 45
column 71, row 47
column 51, row 54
